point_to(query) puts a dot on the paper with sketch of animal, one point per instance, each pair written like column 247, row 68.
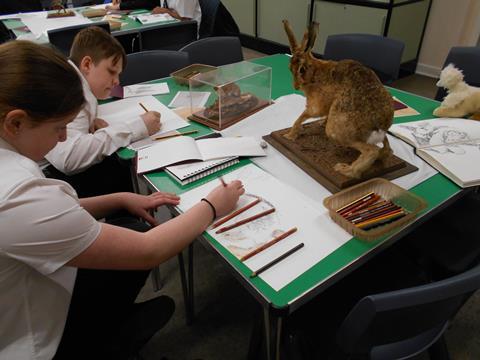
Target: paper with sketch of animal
column 316, row 230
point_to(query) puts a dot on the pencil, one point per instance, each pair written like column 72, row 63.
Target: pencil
column 177, row 134
column 354, row 202
column 143, row 107
column 222, row 181
column 268, row 244
column 380, row 218
column 235, row 213
column 277, row 260
column 244, row 221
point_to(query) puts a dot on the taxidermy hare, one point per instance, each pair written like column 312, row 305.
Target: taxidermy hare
column 357, row 107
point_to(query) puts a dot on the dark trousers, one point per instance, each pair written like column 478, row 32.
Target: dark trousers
column 109, row 176
column 101, row 310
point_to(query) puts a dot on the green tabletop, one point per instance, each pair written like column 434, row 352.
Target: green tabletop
column 435, row 191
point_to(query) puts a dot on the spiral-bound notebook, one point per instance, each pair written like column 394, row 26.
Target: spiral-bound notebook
column 187, row 173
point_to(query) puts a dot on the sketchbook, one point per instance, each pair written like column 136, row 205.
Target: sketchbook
column 188, row 173
column 146, row 19
column 183, row 148
column 452, row 146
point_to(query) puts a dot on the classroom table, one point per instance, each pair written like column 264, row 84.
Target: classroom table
column 133, row 35
column 438, row 191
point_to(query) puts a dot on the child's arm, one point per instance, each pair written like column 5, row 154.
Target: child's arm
column 83, row 149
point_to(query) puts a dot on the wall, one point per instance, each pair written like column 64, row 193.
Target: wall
column 451, row 23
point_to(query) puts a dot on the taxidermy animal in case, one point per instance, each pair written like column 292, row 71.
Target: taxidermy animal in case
column 357, row 107
column 462, row 99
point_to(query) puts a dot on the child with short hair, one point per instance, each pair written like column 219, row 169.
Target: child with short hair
column 85, row 158
column 62, row 295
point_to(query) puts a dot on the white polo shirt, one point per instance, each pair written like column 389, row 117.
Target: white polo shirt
column 83, row 149
column 42, row 227
column 187, row 8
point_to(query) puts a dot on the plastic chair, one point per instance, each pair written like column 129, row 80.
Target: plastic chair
column 150, row 65
column 62, row 38
column 404, row 323
column 216, row 20
column 383, row 55
column 216, row 51
column 168, row 36
column 467, row 59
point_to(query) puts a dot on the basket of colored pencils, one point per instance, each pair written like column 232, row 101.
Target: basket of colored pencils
column 373, row 208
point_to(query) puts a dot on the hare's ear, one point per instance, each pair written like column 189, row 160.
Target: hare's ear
column 312, row 36
column 291, row 37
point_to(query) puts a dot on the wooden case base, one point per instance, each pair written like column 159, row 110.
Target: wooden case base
column 315, row 154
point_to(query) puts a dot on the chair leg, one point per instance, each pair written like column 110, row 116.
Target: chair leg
column 439, row 350
column 156, row 279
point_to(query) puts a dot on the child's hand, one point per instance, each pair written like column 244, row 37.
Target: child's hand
column 140, row 205
column 152, row 121
column 224, row 198
column 97, row 124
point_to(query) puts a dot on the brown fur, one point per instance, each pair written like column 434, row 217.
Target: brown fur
column 349, row 94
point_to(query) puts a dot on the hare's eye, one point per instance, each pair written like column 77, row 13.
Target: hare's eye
column 301, row 69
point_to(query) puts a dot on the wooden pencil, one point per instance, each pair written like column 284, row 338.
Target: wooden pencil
column 245, row 221
column 344, row 207
column 143, row 107
column 235, row 213
column 380, row 218
column 268, row 244
column 222, row 181
column 277, row 260
column 174, row 135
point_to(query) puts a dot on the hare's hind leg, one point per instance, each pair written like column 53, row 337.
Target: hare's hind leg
column 368, row 154
column 296, row 129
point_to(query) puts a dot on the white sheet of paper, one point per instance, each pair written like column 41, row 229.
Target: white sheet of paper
column 282, row 114
column 145, row 89
column 127, row 108
column 316, row 230
column 195, row 99
column 38, row 23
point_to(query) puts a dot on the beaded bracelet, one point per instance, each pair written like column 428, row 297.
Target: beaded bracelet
column 213, row 208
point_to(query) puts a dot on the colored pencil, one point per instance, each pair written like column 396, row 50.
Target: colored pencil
column 380, row 218
column 143, row 107
column 235, row 213
column 245, row 221
column 376, row 213
column 174, row 135
column 268, row 244
column 222, row 181
column 277, row 260
column 384, row 222
column 365, row 203
column 353, row 202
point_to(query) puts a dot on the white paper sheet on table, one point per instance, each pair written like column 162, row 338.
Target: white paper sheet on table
column 316, row 230
column 145, row 89
column 282, row 114
column 121, row 110
column 38, row 23
column 195, row 99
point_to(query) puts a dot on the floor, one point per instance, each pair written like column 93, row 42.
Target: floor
column 225, row 311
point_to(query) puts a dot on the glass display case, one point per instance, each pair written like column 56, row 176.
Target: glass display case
column 234, row 91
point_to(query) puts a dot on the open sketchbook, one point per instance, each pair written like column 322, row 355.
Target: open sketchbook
column 183, row 148
column 452, row 146
column 188, row 173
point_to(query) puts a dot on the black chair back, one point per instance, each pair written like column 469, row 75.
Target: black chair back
column 383, row 55
column 216, row 51
column 62, row 39
column 151, row 65
column 400, row 324
column 168, row 36
column 467, row 59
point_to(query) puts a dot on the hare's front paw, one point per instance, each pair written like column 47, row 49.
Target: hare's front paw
column 292, row 135
column 346, row 170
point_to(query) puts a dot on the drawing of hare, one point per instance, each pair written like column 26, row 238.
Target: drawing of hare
column 358, row 109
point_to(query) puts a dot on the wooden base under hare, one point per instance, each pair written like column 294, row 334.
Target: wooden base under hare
column 315, row 154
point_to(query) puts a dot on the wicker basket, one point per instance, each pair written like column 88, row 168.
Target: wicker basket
column 388, row 191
